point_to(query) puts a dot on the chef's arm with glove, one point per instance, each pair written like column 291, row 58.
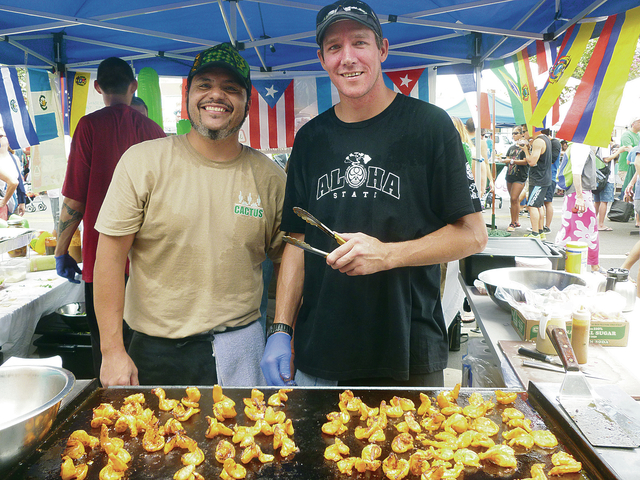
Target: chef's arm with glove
column 108, row 298
column 364, row 255
column 276, row 361
column 71, row 215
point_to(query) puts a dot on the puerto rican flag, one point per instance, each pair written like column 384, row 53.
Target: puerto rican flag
column 413, row 83
column 271, row 120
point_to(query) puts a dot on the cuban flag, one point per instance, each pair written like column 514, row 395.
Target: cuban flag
column 15, row 116
column 412, row 83
column 271, row 121
column 43, row 104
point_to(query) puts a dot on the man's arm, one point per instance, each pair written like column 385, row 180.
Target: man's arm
column 276, row 361
column 363, row 255
column 108, row 297
column 533, row 153
column 71, row 215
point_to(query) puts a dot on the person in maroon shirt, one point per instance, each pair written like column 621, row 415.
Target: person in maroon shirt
column 98, row 142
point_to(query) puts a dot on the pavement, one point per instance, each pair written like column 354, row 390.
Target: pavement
column 614, row 245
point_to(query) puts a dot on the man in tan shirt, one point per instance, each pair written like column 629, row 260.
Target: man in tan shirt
column 197, row 214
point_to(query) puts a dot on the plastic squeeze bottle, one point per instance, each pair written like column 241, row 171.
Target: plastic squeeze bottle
column 580, row 334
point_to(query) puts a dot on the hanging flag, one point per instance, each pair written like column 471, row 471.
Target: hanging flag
column 591, row 118
column 271, row 121
column 512, row 89
column 43, row 104
column 312, row 96
column 85, row 98
column 528, row 93
column 470, row 91
column 412, row 83
column 15, row 116
column 546, row 53
column 571, row 50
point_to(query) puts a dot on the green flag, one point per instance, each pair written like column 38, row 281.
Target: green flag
column 513, row 89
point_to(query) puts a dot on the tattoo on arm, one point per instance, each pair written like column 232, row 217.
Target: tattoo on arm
column 75, row 217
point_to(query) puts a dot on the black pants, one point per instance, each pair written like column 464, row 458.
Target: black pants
column 164, row 361
column 95, row 331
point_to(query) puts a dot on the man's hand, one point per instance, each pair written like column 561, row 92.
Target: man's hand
column 276, row 361
column 67, row 267
column 361, row 255
column 118, row 369
column 21, row 209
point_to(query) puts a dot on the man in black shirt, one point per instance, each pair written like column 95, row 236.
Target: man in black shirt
column 538, row 156
column 392, row 169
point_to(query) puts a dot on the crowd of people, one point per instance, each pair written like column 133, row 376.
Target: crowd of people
column 539, row 167
column 174, row 292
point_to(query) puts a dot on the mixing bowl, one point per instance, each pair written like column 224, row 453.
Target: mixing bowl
column 75, row 316
column 515, row 279
column 30, row 398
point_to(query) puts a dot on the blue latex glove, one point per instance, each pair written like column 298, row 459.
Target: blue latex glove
column 67, row 267
column 276, row 361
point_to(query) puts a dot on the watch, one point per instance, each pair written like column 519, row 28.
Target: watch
column 280, row 327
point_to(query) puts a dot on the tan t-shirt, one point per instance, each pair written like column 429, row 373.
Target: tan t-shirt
column 202, row 228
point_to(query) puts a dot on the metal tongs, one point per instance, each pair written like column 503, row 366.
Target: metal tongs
column 310, row 219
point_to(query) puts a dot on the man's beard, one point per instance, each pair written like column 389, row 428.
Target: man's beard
column 219, row 134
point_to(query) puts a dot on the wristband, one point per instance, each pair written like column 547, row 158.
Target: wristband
column 280, row 327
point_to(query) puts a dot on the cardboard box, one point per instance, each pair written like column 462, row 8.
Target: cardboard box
column 608, row 334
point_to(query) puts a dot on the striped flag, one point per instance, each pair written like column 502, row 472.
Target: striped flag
column 412, row 83
column 546, row 54
column 85, row 98
column 513, row 89
column 592, row 114
column 326, row 94
column 15, row 116
column 571, row 51
column 528, row 92
column 469, row 89
column 271, row 121
column 44, row 104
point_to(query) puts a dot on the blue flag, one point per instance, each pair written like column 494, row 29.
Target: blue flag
column 15, row 117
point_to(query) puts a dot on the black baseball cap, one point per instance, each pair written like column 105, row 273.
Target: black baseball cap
column 223, row 55
column 346, row 10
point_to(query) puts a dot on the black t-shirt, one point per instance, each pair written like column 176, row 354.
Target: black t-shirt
column 398, row 176
column 516, row 173
column 540, row 173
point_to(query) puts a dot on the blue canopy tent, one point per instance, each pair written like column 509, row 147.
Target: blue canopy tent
column 504, row 113
column 277, row 37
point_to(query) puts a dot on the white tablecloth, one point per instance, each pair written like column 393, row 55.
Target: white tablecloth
column 23, row 303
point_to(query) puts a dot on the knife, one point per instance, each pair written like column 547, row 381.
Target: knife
column 552, row 368
column 540, row 356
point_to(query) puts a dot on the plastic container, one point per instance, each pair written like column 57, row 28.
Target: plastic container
column 543, row 342
column 580, row 332
column 576, row 261
column 42, row 262
column 14, row 270
column 50, row 245
column 75, row 248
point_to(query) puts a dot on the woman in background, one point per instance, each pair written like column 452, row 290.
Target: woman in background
column 516, row 177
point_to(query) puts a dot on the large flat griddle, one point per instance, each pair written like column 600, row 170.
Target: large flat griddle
column 518, row 247
column 307, row 408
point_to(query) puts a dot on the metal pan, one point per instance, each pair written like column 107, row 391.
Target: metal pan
column 597, row 419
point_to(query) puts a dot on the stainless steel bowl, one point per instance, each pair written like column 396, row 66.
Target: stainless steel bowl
column 534, row 279
column 30, row 398
column 75, row 316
